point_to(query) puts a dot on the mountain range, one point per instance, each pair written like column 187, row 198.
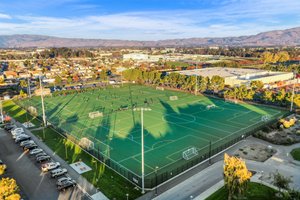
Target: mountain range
column 288, row 37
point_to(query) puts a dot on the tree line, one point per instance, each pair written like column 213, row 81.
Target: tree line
column 214, row 85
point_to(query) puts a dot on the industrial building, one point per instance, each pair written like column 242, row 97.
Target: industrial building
column 239, row 76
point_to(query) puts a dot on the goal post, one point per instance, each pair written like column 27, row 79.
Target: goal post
column 189, row 153
column 95, row 114
column 208, row 107
column 160, row 88
column 173, row 98
column 33, row 110
column 86, row 143
column 265, row 118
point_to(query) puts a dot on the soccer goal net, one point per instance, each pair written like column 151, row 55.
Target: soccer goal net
column 95, row 114
column 86, row 143
column 160, row 88
column 173, row 98
column 189, row 153
column 208, row 107
column 32, row 110
column 265, row 118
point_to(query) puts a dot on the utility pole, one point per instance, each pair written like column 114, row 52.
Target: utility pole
column 293, row 92
column 142, row 144
column 42, row 98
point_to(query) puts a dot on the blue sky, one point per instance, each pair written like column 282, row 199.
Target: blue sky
column 146, row 20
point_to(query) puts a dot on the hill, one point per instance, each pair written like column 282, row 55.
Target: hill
column 288, row 37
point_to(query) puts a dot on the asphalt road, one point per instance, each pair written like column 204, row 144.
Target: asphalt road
column 34, row 184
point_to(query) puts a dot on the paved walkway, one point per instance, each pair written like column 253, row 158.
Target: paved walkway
column 85, row 186
column 204, row 183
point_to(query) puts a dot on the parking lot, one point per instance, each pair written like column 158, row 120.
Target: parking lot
column 33, row 183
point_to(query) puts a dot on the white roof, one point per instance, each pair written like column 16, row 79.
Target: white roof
column 219, row 71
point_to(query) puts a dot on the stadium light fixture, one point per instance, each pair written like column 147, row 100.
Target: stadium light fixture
column 142, row 144
column 43, row 106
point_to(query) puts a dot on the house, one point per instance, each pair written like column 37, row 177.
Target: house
column 10, row 75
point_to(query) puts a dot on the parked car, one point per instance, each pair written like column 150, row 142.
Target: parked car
column 43, row 158
column 9, row 127
column 63, row 179
column 2, row 164
column 30, row 146
column 66, row 185
column 22, row 138
column 58, row 172
column 50, row 166
column 22, row 144
column 17, row 129
column 35, row 151
column 41, row 154
column 15, row 135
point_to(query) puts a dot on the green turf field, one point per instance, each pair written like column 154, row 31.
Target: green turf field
column 171, row 127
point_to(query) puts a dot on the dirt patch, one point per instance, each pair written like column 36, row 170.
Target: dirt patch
column 256, row 152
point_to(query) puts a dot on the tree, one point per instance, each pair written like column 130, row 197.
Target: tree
column 217, row 83
column 236, row 176
column 268, row 96
column 69, row 79
column 267, row 57
column 256, row 85
column 9, row 189
column 2, row 169
column 283, row 56
column 281, row 182
column 58, row 80
column 103, row 75
column 23, row 83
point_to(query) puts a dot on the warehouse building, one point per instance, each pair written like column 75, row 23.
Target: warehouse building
column 239, row 76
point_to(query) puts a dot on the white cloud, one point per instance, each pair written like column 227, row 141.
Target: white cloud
column 5, row 16
column 232, row 18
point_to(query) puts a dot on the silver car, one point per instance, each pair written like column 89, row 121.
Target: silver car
column 58, row 172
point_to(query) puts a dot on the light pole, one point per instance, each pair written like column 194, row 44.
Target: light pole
column 156, row 168
column 1, row 111
column 142, row 144
column 196, row 86
column 42, row 98
column 293, row 92
column 127, row 196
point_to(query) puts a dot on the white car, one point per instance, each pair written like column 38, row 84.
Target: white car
column 58, row 172
column 14, row 135
column 61, row 180
column 19, row 135
column 16, row 129
column 50, row 166
column 35, row 151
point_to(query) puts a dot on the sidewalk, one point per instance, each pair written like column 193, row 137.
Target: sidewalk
column 86, row 187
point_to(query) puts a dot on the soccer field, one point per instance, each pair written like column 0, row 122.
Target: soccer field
column 170, row 128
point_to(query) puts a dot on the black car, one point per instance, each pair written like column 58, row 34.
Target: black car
column 66, row 184
column 30, row 146
column 8, row 127
column 43, row 158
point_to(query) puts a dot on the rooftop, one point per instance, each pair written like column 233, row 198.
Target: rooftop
column 219, row 71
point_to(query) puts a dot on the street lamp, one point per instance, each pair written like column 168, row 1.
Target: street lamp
column 156, row 169
column 142, row 143
column 127, row 196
